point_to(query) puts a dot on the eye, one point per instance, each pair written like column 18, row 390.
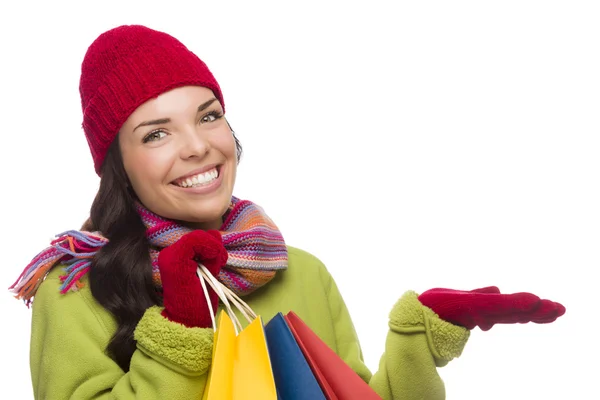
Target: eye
column 211, row 116
column 154, row 136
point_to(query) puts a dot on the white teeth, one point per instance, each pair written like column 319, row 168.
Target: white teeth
column 200, row 179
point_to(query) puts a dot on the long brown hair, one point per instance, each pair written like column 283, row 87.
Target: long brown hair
column 121, row 272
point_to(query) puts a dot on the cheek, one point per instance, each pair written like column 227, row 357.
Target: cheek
column 226, row 145
column 145, row 169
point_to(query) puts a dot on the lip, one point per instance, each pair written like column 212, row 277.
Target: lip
column 213, row 186
column 196, row 172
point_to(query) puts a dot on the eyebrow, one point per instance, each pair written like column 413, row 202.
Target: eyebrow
column 161, row 121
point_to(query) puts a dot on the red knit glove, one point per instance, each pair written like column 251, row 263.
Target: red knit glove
column 487, row 306
column 183, row 296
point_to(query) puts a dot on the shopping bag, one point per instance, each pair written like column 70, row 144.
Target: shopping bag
column 241, row 366
column 338, row 380
column 219, row 383
column 325, row 387
column 293, row 377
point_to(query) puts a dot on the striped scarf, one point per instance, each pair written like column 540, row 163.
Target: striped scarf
column 255, row 246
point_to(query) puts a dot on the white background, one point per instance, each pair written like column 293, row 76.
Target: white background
column 409, row 145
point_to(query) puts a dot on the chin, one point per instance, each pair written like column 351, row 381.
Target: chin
column 208, row 219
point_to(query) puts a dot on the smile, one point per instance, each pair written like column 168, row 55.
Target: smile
column 198, row 180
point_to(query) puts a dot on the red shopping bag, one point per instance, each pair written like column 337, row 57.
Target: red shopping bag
column 337, row 380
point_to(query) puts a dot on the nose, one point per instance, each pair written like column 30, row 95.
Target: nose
column 195, row 144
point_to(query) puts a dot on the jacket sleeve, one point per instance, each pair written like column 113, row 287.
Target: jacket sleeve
column 69, row 335
column 418, row 342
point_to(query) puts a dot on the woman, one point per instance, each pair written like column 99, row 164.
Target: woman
column 119, row 311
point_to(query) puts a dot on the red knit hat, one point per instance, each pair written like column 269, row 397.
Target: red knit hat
column 122, row 69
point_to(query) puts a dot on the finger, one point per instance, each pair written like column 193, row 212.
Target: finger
column 544, row 311
column 438, row 291
column 561, row 309
column 487, row 289
column 495, row 306
column 206, row 245
column 216, row 235
column 549, row 311
column 485, row 326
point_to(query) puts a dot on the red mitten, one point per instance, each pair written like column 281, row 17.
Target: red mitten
column 487, row 306
column 183, row 296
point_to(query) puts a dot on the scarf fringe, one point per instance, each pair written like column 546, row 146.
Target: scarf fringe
column 255, row 246
column 72, row 248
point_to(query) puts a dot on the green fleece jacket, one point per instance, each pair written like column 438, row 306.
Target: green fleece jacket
column 70, row 332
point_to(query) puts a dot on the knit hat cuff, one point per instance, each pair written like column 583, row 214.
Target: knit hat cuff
column 143, row 75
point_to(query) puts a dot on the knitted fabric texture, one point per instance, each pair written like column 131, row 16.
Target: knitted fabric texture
column 255, row 247
column 125, row 67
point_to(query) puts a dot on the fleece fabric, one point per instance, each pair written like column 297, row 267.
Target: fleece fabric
column 70, row 333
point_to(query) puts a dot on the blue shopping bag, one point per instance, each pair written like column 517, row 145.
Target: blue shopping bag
column 294, row 379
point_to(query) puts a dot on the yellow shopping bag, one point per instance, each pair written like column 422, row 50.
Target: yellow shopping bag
column 241, row 367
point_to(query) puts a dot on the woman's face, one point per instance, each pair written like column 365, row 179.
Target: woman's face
column 180, row 156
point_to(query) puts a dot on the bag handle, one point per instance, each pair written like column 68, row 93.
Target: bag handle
column 205, row 277
column 227, row 296
column 242, row 306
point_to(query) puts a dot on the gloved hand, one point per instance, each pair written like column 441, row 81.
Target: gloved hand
column 183, row 296
column 487, row 306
